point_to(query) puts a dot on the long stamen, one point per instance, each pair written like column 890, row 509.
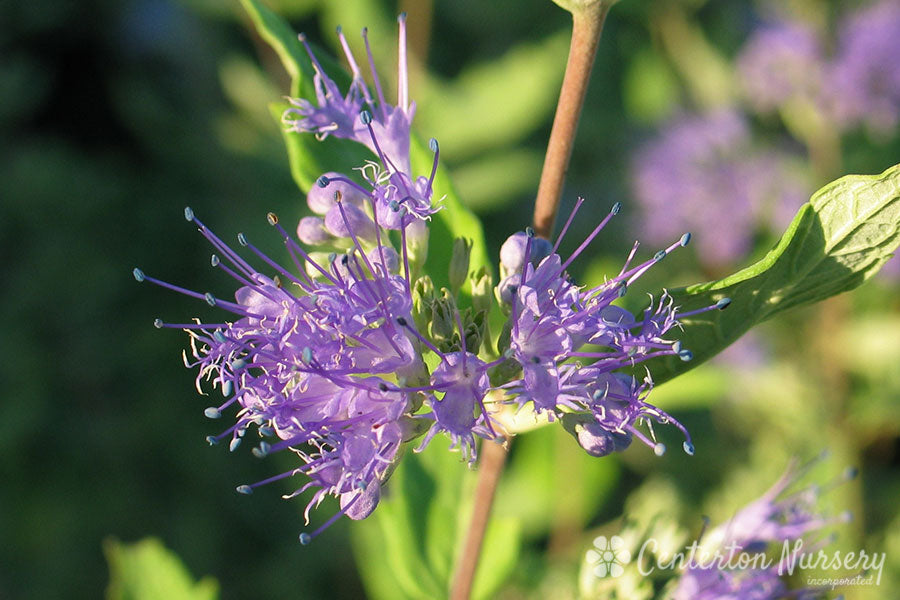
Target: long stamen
column 307, row 285
column 306, row 538
column 403, row 75
column 434, row 147
column 248, row 489
column 354, row 67
column 613, row 212
column 233, row 256
column 402, row 322
column 565, row 228
column 295, row 247
column 382, row 105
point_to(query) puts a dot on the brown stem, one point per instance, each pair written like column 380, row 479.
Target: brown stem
column 586, row 28
column 493, row 456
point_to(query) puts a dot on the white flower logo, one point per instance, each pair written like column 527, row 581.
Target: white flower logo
column 608, row 556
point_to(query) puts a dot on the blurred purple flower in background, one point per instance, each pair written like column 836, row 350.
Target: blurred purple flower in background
column 865, row 76
column 767, row 523
column 703, row 174
column 781, row 63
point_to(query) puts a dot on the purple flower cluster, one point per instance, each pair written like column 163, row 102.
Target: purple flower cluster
column 551, row 322
column 774, row 518
column 703, row 174
column 327, row 362
column 330, row 359
column 865, row 76
column 782, row 63
column 859, row 84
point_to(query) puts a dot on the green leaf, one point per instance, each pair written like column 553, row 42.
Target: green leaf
column 408, row 548
column 840, row 238
column 146, row 570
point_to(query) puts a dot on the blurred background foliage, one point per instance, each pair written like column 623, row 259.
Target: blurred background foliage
column 116, row 115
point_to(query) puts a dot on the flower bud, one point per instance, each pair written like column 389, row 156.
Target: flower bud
column 416, row 245
column 311, row 230
column 593, row 437
column 512, row 252
column 482, row 284
column 459, row 263
column 442, row 324
column 321, row 199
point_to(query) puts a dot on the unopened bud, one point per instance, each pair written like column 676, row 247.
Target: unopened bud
column 459, row 263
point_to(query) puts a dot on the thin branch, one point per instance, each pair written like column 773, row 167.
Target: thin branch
column 586, row 28
column 493, row 457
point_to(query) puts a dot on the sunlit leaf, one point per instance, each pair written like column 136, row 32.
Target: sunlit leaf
column 840, row 238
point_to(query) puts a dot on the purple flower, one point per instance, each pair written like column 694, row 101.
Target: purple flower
column 371, row 121
column 327, row 358
column 551, row 318
column 773, row 519
column 865, row 77
column 703, row 174
column 782, row 63
column 312, row 364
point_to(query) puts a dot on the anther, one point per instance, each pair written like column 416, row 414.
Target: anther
column 383, row 386
column 723, row 303
column 433, row 145
column 188, row 214
column 401, row 321
column 214, row 260
column 235, row 442
column 529, row 232
column 685, row 240
column 219, row 336
column 212, row 413
column 366, row 117
column 616, row 208
column 158, row 323
column 306, row 355
column 244, row 489
column 242, row 239
column 261, row 451
column 272, row 218
column 688, row 448
column 659, row 255
column 686, row 355
column 659, row 449
column 210, row 299
column 323, row 181
column 211, row 440
column 305, row 538
column 138, row 274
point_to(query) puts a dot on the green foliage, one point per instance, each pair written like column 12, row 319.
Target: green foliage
column 840, row 238
column 408, row 547
column 146, row 570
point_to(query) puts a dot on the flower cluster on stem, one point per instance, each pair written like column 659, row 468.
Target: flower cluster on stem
column 349, row 355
